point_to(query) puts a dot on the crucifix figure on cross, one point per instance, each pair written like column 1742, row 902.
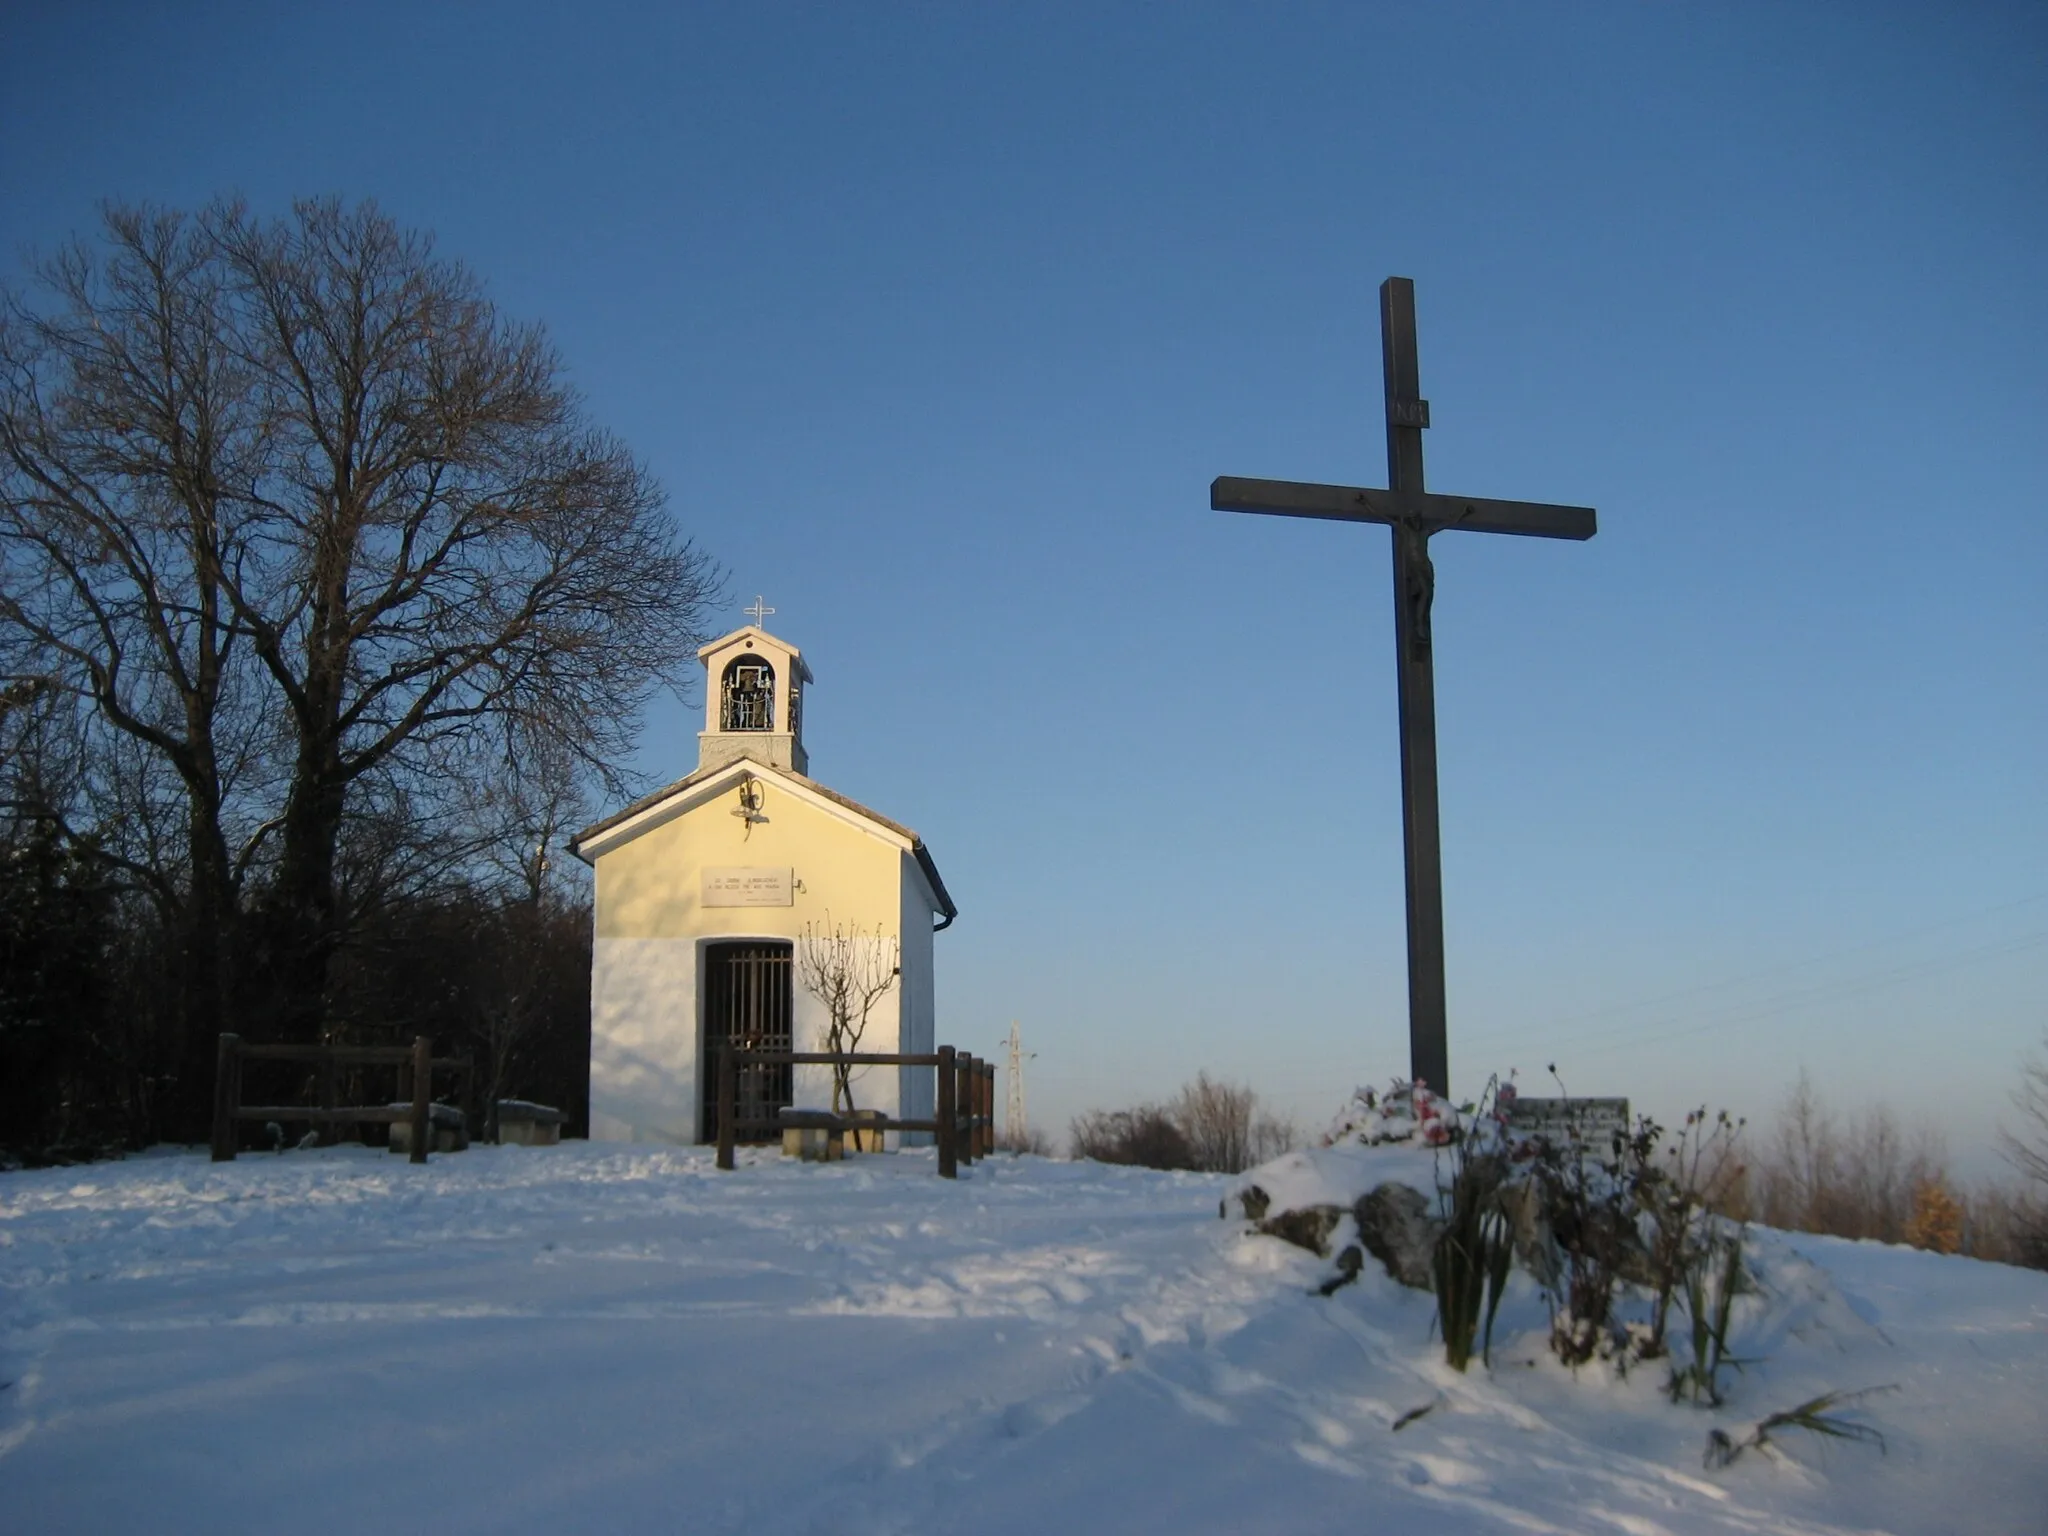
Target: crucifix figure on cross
column 1414, row 515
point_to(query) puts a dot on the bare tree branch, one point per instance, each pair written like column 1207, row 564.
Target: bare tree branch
column 849, row 972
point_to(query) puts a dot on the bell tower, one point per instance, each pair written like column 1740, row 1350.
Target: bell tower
column 753, row 701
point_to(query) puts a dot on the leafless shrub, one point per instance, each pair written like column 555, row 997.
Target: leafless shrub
column 1866, row 1178
column 1855, row 1179
column 1209, row 1127
column 2006, row 1224
column 1033, row 1141
column 1272, row 1135
column 1225, row 1128
column 1145, row 1137
column 849, row 972
column 2027, row 1149
column 1687, row 1246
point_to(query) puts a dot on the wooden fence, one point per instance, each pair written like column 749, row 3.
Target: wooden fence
column 416, row 1062
column 963, row 1123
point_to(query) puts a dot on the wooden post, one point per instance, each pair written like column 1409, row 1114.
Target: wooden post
column 981, row 1147
column 973, row 1086
column 726, row 1110
column 965, row 1098
column 226, row 1093
column 963, row 1110
column 986, row 1094
column 988, row 1108
column 330, row 1097
column 422, row 1081
column 465, row 1096
column 949, row 1167
column 1415, row 694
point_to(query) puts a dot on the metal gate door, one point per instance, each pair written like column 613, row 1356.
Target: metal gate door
column 747, row 1002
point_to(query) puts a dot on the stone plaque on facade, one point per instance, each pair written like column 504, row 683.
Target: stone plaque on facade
column 756, row 885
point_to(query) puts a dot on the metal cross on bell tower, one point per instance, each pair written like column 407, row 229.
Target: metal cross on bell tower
column 759, row 612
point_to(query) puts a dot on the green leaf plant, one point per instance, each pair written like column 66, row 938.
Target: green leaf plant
column 1713, row 1277
column 1476, row 1249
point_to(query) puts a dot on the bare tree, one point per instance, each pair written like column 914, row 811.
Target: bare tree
column 532, row 813
column 298, row 514
column 1145, row 1137
column 849, row 972
column 2027, row 1149
column 1855, row 1180
column 120, row 418
column 1216, row 1118
column 1225, row 1128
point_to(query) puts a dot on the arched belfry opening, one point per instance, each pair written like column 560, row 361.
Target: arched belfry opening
column 747, row 695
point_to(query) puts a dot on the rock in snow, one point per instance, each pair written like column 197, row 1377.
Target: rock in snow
column 1398, row 1228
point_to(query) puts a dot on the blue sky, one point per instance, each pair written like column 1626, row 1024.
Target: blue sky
column 936, row 321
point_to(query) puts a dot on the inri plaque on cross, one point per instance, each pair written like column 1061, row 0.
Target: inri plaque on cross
column 1414, row 515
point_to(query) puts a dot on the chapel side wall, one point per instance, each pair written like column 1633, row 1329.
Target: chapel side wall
column 920, row 1028
column 651, row 931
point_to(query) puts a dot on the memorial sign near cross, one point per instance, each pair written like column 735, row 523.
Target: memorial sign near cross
column 1414, row 515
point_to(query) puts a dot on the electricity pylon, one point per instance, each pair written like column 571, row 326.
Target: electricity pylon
column 1016, row 1129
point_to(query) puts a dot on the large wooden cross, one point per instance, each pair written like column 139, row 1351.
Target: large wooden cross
column 1413, row 514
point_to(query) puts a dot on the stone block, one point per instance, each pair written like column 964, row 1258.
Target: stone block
column 522, row 1124
column 813, row 1143
column 446, row 1130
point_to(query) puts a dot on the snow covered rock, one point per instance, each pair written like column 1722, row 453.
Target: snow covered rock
column 1304, row 1196
column 1306, row 1227
column 1398, row 1228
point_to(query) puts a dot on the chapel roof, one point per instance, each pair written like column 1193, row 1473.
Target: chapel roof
column 711, row 647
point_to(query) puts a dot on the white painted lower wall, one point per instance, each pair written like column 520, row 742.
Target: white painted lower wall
column 643, row 1040
column 645, row 1061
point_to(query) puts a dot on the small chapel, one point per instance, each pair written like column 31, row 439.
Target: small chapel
column 713, row 893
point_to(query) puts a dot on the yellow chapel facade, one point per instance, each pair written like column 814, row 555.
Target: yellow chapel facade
column 707, row 894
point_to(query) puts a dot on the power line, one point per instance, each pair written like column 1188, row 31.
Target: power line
column 1736, row 1013
column 1853, row 986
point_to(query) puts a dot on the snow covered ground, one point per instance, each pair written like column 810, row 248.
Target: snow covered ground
column 589, row 1336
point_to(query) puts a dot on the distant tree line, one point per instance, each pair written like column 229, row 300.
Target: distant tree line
column 1868, row 1177
column 324, row 613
